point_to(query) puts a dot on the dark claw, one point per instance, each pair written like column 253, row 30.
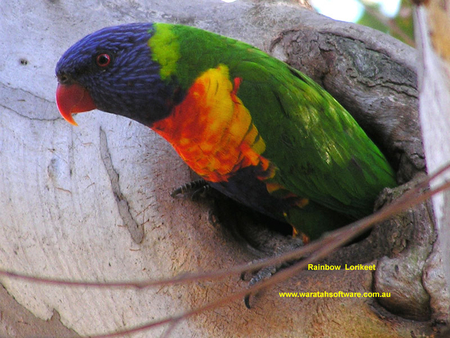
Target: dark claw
column 244, row 276
column 195, row 188
column 258, row 276
column 247, row 301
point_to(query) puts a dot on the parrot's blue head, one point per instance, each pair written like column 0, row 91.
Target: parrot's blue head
column 113, row 70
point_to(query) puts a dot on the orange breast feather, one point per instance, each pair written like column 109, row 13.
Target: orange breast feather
column 213, row 131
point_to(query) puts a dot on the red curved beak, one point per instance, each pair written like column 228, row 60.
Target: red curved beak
column 72, row 99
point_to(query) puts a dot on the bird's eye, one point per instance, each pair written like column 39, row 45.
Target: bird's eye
column 103, row 60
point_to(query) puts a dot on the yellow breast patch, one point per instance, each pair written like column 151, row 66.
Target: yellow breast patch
column 212, row 130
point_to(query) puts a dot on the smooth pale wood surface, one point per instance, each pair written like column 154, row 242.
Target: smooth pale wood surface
column 59, row 216
column 432, row 22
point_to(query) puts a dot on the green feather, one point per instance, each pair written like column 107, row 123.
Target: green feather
column 320, row 151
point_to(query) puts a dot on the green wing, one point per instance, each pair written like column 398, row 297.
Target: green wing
column 320, row 151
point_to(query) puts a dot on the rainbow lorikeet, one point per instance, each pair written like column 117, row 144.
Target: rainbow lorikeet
column 253, row 127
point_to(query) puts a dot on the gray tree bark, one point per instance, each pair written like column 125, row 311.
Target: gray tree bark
column 92, row 203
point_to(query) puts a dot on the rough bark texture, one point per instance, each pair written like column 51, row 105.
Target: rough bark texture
column 92, row 203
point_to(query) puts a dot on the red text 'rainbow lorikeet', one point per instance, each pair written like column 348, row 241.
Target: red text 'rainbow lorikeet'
column 256, row 129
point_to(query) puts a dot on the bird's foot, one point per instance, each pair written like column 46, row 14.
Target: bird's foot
column 255, row 277
column 195, row 189
column 287, row 244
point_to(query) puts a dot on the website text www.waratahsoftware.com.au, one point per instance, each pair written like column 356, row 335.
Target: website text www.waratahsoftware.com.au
column 337, row 294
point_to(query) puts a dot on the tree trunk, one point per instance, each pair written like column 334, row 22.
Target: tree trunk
column 93, row 203
column 432, row 27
